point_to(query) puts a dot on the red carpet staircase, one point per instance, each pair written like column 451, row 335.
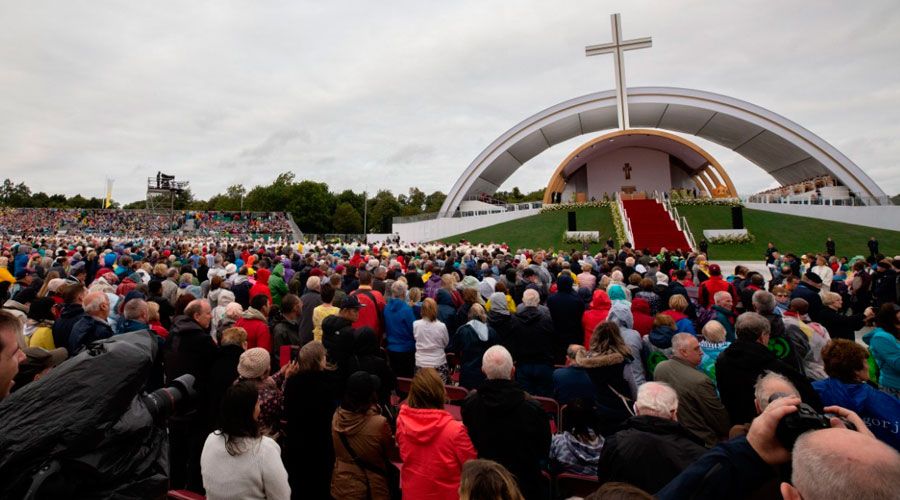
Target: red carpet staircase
column 652, row 227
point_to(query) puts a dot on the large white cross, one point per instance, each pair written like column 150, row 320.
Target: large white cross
column 618, row 48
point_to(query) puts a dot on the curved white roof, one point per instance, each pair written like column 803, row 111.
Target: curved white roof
column 784, row 149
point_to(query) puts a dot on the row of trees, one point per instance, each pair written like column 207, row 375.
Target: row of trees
column 315, row 208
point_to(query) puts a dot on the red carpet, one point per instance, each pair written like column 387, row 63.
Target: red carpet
column 652, row 228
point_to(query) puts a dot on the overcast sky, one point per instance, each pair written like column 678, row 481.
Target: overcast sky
column 389, row 95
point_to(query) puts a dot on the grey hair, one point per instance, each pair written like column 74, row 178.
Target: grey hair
column 657, row 399
column 751, row 326
column 820, row 472
column 763, row 302
column 135, row 308
column 313, row 283
column 497, row 363
column 762, row 395
column 681, row 341
column 531, row 298
column 720, row 294
column 398, row 290
column 93, row 301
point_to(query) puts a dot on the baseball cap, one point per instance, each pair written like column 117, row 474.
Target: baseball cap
column 351, row 302
column 714, row 269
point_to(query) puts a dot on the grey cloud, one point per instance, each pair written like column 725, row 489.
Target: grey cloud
column 273, row 143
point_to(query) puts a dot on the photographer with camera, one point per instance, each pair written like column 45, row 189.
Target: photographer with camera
column 834, row 462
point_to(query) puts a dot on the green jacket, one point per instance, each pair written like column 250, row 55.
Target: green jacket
column 277, row 285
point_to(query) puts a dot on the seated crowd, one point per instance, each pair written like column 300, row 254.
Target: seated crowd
column 473, row 371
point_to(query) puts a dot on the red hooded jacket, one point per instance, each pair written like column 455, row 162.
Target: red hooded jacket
column 595, row 315
column 643, row 321
column 433, row 448
column 262, row 285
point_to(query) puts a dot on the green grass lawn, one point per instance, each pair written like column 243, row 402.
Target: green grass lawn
column 790, row 233
column 543, row 230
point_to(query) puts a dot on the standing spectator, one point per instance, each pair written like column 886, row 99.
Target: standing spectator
column 72, row 312
column 311, row 299
column 338, row 334
column 398, row 322
column 838, row 324
column 223, row 371
column 620, row 315
column 506, row 425
column 287, row 330
column 715, row 283
column 277, row 287
column 433, row 446
column 572, row 382
column 808, row 290
column 741, row 364
column 431, row 341
column 10, row 353
column 724, row 313
column 884, row 342
column 533, row 347
column 372, row 315
column 323, row 310
column 699, row 409
column 261, row 287
column 255, row 320
column 368, row 357
column 500, row 319
column 566, row 309
column 237, row 460
column 678, row 304
column 873, row 247
column 470, row 342
column 358, row 426
column 652, row 448
column 712, row 344
column 309, row 406
column 595, row 315
column 254, row 366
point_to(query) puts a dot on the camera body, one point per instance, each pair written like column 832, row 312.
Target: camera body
column 804, row 419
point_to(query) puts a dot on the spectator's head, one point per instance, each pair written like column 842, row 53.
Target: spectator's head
column 771, row 386
column 686, row 348
column 763, row 302
column 846, row 361
column 10, row 353
column 254, row 364
column 580, row 418
column 429, row 309
column 607, row 338
column 799, row 306
column 497, row 364
column 840, row 463
column 36, row 364
column 234, row 336
column 72, row 293
column 427, row 390
column 361, row 392
column 291, row 306
column 657, row 399
column 477, row 312
column 715, row 270
column 311, row 357
column 399, row 289
column 260, row 303
column 572, row 353
column 365, row 278
column 531, row 298
column 487, row 480
column 752, row 327
column 661, row 320
column 313, row 283
column 137, row 310
column 334, row 280
column 327, row 291
column 713, row 332
column 723, row 299
column 96, row 304
column 234, row 310
column 415, row 295
column 888, row 319
column 199, row 311
column 678, row 303
column 832, row 300
column 238, row 417
column 619, row 491
column 781, row 293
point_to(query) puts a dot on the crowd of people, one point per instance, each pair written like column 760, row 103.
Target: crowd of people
column 45, row 222
column 348, row 370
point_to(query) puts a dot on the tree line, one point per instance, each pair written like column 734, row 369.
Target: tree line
column 315, row 207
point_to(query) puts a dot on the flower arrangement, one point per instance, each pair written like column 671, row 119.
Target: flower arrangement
column 732, row 239
column 573, row 206
column 581, row 236
column 705, row 202
column 617, row 222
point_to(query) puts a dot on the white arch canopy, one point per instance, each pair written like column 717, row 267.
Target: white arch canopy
column 787, row 151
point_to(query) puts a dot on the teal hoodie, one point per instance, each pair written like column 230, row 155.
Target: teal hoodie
column 886, row 351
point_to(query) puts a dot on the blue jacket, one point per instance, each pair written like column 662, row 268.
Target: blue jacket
column 88, row 329
column 886, row 351
column 398, row 325
column 730, row 470
column 880, row 411
column 573, row 382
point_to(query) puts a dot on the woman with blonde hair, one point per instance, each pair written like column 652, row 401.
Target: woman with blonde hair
column 433, row 446
column 432, row 339
column 487, row 480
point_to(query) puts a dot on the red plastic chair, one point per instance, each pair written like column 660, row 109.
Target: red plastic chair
column 184, row 495
column 456, row 394
column 404, row 384
column 454, row 411
column 550, row 406
column 575, row 485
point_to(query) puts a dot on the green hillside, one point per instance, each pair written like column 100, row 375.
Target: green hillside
column 788, row 232
column 544, row 230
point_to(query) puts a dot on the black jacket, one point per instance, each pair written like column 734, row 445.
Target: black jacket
column 368, row 357
column 507, row 327
column 189, row 349
column 566, row 309
column 222, row 375
column 338, row 338
column 648, row 452
column 509, row 427
column 839, row 325
column 737, row 369
column 62, row 327
column 534, row 341
column 811, row 296
column 310, row 300
column 86, row 330
column 309, row 404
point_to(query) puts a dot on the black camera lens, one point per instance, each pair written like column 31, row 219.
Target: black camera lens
column 162, row 402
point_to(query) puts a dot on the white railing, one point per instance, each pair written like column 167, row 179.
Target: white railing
column 629, row 235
